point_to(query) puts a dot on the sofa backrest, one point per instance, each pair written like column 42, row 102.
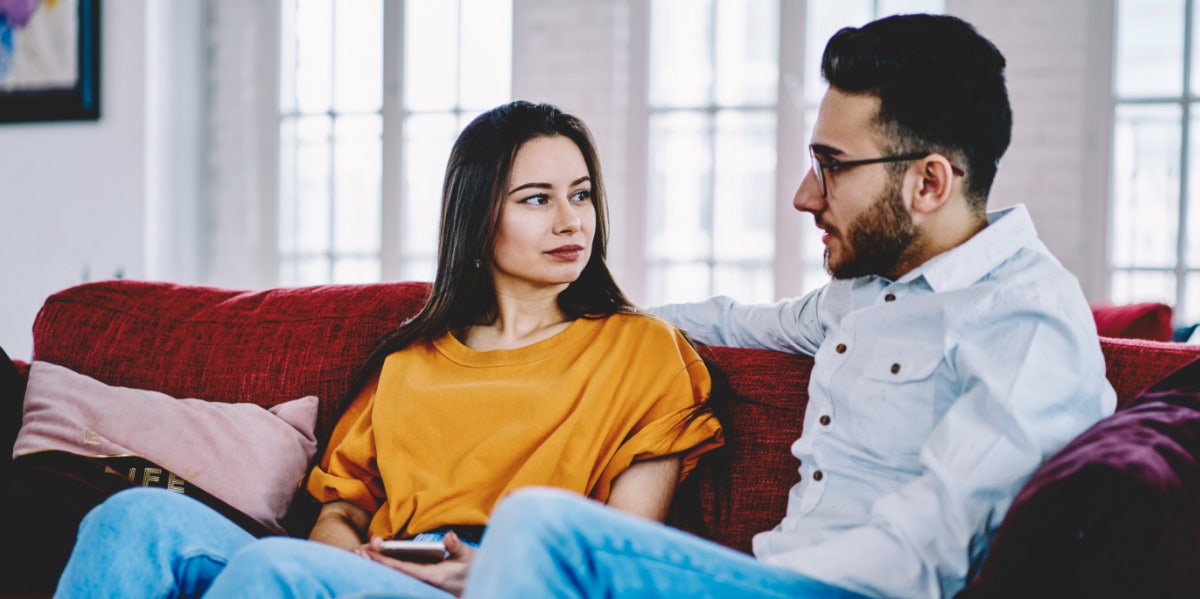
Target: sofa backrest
column 768, row 393
column 268, row 347
column 1134, row 364
column 742, row 489
column 263, row 347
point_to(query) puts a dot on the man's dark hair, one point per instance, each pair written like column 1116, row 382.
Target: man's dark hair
column 940, row 85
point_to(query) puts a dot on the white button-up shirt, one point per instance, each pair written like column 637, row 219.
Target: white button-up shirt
column 932, row 400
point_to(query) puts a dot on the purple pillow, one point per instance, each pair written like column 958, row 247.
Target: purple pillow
column 1116, row 513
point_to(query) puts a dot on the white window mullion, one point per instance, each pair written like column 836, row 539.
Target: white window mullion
column 243, row 149
column 633, row 214
column 392, row 215
column 267, row 146
column 1186, row 105
column 792, row 163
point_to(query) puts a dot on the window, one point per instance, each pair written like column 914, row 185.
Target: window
column 1157, row 88
column 372, row 96
column 720, row 128
column 713, row 88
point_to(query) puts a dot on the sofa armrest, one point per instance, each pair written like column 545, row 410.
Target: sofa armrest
column 1150, row 321
column 13, row 376
column 1134, row 365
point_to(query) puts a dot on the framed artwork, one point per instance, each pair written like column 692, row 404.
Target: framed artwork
column 49, row 60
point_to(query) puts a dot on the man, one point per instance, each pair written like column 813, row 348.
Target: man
column 953, row 354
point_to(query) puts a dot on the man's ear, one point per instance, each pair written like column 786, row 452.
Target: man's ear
column 932, row 183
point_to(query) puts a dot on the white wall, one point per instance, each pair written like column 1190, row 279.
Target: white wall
column 73, row 192
column 1060, row 82
column 177, row 141
column 579, row 55
column 91, row 200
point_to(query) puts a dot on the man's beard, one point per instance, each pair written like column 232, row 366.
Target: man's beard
column 878, row 240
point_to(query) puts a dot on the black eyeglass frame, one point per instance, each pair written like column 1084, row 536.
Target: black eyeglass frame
column 818, row 166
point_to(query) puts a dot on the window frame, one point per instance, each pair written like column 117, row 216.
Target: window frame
column 1188, row 103
column 791, row 153
column 795, row 269
column 393, row 260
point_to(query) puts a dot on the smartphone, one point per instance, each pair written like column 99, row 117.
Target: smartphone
column 428, row 552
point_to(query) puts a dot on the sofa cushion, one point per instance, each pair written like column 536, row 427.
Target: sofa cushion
column 1134, row 365
column 1115, row 514
column 265, row 347
column 249, row 457
column 1148, row 320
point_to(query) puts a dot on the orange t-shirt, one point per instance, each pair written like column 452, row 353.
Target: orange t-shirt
column 444, row 432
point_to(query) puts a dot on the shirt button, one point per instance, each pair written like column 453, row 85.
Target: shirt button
column 891, row 297
column 825, row 420
column 817, row 475
column 895, row 368
column 841, row 348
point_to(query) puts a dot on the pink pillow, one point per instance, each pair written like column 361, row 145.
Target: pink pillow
column 247, row 456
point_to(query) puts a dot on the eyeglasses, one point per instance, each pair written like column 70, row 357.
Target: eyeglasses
column 820, row 166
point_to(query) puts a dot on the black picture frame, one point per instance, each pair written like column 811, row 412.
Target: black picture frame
column 79, row 102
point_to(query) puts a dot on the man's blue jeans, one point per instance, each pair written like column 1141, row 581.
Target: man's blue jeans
column 156, row 543
column 548, row 543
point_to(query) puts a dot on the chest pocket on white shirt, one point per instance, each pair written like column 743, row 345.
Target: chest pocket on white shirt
column 894, row 399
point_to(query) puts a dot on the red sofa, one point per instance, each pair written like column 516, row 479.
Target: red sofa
column 270, row 346
column 1146, row 320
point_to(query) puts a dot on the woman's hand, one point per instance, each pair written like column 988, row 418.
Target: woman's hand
column 450, row 574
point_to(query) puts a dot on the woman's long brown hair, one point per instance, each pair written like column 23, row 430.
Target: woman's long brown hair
column 476, row 176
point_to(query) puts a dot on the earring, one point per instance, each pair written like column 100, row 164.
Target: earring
column 477, row 264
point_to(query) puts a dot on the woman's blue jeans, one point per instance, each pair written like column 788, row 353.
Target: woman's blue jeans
column 157, row 543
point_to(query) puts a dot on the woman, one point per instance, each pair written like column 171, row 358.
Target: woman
column 527, row 366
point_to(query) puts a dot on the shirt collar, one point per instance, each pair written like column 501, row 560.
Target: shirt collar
column 1008, row 231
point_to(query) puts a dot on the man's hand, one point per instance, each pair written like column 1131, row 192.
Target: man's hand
column 450, row 574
